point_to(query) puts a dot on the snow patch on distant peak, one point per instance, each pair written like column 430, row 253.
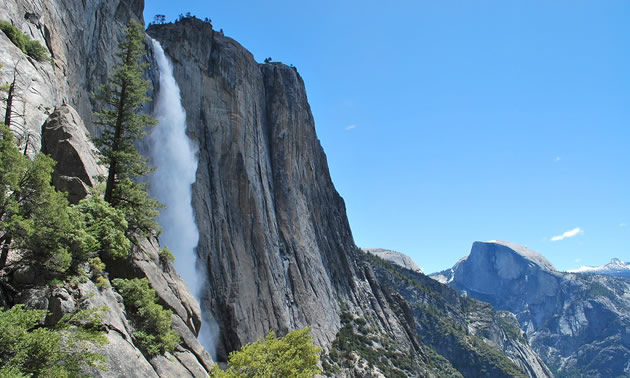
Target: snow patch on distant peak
column 615, row 267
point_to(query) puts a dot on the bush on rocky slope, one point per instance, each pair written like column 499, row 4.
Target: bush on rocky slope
column 28, row 348
column 30, row 47
column 153, row 323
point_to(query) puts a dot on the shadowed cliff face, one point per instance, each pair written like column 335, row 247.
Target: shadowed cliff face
column 274, row 236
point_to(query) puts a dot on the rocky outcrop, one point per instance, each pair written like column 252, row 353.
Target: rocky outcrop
column 394, row 257
column 190, row 356
column 66, row 140
column 32, row 287
column 577, row 323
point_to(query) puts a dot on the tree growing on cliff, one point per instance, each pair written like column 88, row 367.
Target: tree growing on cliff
column 38, row 221
column 121, row 99
column 159, row 19
column 35, row 218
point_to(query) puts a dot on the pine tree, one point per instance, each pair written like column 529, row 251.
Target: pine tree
column 121, row 100
column 34, row 217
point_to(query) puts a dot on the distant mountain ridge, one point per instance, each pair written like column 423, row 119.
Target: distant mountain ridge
column 463, row 337
column 615, row 267
column 579, row 324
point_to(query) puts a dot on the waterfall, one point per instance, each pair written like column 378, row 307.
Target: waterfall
column 175, row 157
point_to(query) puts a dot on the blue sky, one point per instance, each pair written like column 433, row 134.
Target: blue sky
column 446, row 122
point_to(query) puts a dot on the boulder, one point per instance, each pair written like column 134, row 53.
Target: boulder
column 65, row 139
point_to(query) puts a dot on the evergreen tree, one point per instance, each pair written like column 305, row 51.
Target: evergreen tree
column 121, row 100
column 33, row 216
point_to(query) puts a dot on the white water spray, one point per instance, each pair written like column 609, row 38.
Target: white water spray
column 175, row 157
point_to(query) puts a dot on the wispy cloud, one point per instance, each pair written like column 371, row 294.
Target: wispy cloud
column 569, row 234
column 558, row 158
column 622, row 225
column 350, row 127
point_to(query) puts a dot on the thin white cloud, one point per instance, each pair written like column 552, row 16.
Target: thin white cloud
column 558, row 158
column 578, row 260
column 350, row 127
column 622, row 225
column 569, row 234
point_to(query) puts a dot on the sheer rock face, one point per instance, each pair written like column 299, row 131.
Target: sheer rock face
column 274, row 236
column 81, row 37
column 499, row 271
column 35, row 94
column 578, row 323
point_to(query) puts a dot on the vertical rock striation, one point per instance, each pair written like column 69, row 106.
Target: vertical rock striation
column 275, row 244
column 81, row 37
column 274, row 236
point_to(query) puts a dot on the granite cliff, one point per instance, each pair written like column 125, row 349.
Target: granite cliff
column 577, row 323
column 54, row 115
column 275, row 247
column 274, row 236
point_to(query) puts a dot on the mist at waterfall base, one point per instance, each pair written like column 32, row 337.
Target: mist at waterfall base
column 175, row 157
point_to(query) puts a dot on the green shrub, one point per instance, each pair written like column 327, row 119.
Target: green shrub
column 27, row 348
column 98, row 267
column 32, row 48
column 35, row 50
column 153, row 323
column 106, row 224
column 15, row 35
column 293, row 355
column 166, row 255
